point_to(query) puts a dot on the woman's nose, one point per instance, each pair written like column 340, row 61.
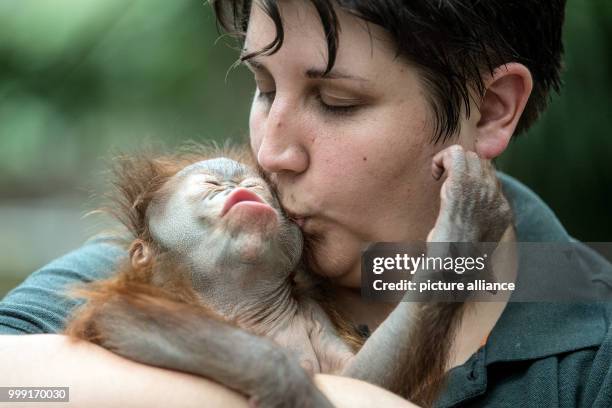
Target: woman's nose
column 281, row 148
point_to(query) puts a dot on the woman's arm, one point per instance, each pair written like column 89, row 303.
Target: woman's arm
column 158, row 331
column 41, row 303
column 348, row 392
column 98, row 378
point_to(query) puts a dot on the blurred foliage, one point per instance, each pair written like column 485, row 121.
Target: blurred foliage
column 78, row 77
column 567, row 157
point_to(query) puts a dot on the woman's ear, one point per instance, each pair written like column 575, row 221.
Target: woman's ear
column 506, row 94
column 141, row 254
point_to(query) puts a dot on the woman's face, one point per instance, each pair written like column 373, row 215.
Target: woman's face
column 351, row 152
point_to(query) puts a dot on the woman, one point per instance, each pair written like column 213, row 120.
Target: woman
column 353, row 101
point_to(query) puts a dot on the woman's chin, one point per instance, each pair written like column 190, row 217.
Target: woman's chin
column 340, row 263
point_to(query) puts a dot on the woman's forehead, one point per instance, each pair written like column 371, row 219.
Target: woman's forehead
column 365, row 50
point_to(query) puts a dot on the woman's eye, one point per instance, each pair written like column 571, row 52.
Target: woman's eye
column 343, row 108
column 266, row 96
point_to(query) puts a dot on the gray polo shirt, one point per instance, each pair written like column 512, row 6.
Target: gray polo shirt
column 538, row 354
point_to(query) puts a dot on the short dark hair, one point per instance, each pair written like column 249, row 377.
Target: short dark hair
column 451, row 42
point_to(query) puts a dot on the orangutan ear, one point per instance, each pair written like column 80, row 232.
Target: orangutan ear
column 141, row 254
column 506, row 95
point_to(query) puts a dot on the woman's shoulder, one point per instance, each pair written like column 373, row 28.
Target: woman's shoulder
column 540, row 354
column 566, row 361
column 40, row 304
column 533, row 218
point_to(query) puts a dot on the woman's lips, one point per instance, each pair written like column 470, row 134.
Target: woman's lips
column 300, row 221
column 242, row 195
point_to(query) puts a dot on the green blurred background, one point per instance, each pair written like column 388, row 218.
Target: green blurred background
column 79, row 78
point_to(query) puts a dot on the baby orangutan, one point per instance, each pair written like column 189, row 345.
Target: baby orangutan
column 209, row 285
column 214, row 286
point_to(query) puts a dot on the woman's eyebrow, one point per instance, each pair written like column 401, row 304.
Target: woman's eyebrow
column 312, row 73
column 316, row 73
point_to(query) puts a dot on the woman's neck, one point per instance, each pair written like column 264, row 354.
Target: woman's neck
column 479, row 317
